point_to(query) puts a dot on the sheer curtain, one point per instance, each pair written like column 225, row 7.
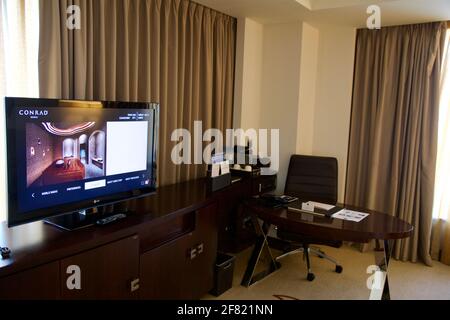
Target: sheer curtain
column 19, row 42
column 441, row 211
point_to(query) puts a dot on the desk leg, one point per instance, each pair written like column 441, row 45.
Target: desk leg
column 382, row 257
column 250, row 276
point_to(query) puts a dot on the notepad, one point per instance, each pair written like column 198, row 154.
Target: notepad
column 225, row 167
column 350, row 215
column 215, row 169
column 322, row 206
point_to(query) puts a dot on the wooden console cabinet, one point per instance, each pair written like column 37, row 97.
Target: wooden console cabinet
column 166, row 249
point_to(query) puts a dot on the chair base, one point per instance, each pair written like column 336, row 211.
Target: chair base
column 306, row 250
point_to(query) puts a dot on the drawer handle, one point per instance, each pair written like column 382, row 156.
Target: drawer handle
column 193, row 253
column 134, row 285
column 228, row 266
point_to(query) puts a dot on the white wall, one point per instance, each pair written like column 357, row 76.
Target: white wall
column 297, row 78
column 308, row 78
column 267, row 83
column 280, row 88
column 249, row 54
column 334, row 89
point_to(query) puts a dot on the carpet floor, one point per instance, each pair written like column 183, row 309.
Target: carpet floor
column 407, row 280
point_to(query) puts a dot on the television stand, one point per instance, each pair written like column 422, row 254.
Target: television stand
column 75, row 220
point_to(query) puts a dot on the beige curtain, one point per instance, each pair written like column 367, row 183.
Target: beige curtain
column 174, row 52
column 393, row 139
column 440, row 240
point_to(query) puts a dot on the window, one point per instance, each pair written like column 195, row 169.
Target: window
column 19, row 46
column 442, row 185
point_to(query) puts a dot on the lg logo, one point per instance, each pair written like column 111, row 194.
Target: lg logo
column 73, row 282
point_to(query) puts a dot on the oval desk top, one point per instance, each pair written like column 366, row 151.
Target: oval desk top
column 376, row 225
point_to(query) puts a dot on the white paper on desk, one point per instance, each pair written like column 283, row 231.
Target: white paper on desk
column 323, row 206
column 350, row 215
column 225, row 167
column 215, row 170
column 308, row 206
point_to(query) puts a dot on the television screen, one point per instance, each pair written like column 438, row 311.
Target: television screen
column 65, row 156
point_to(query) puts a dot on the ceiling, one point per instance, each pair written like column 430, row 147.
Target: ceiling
column 341, row 12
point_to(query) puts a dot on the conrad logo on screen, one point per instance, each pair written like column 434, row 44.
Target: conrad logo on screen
column 26, row 112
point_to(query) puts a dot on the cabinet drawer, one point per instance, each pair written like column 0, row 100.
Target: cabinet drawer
column 264, row 184
column 163, row 270
column 183, row 268
column 40, row 283
column 107, row 272
column 166, row 231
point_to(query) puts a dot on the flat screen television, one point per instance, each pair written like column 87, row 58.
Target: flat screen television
column 65, row 157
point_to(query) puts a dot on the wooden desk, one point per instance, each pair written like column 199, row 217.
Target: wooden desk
column 377, row 226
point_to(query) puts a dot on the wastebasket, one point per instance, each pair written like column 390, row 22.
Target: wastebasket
column 223, row 273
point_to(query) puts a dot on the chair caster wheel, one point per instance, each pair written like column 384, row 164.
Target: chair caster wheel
column 311, row 276
column 339, row 269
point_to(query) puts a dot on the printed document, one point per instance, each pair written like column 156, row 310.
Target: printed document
column 350, row 215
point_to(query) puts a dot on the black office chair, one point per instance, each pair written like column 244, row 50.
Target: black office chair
column 311, row 178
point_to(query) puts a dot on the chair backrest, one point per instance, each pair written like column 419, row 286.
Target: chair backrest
column 313, row 178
